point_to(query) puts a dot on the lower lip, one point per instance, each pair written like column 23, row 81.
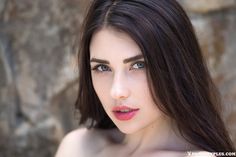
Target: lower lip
column 125, row 115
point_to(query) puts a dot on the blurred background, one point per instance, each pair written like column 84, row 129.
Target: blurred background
column 38, row 69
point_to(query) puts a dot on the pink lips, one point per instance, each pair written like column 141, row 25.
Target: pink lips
column 124, row 113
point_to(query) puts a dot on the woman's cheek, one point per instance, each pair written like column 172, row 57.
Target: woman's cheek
column 138, row 78
column 101, row 84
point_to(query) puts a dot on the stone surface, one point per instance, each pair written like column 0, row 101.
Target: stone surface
column 205, row 6
column 216, row 33
column 38, row 72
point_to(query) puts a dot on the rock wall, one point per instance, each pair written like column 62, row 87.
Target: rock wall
column 38, row 75
column 215, row 25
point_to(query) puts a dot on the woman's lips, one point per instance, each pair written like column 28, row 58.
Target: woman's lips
column 124, row 112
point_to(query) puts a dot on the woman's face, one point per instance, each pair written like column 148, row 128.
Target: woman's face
column 119, row 79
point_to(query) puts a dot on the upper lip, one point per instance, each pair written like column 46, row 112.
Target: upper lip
column 123, row 107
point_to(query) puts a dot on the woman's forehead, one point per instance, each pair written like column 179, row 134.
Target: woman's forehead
column 108, row 41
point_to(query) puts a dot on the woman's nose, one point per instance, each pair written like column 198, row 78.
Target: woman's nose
column 120, row 88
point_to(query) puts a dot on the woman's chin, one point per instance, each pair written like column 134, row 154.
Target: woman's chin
column 127, row 130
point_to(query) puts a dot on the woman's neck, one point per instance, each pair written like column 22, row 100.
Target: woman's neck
column 160, row 135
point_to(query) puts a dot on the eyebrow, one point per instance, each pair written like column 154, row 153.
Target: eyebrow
column 127, row 60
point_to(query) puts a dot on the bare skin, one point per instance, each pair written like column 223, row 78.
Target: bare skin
column 106, row 143
column 122, row 80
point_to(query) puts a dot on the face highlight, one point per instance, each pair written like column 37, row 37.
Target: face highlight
column 119, row 78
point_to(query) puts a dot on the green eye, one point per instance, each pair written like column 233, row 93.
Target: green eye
column 138, row 65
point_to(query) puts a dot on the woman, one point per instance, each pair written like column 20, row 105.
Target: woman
column 144, row 87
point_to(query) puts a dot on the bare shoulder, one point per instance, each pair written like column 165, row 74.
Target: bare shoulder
column 77, row 142
column 180, row 154
column 166, row 153
column 71, row 143
column 200, row 153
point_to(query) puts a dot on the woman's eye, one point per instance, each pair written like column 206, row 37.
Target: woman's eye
column 101, row 68
column 138, row 65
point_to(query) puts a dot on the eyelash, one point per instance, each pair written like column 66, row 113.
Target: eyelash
column 96, row 68
column 138, row 62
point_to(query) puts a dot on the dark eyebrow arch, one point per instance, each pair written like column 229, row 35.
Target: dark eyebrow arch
column 99, row 61
column 131, row 59
column 127, row 60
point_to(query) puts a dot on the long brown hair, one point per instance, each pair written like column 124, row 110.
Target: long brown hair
column 177, row 74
